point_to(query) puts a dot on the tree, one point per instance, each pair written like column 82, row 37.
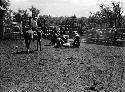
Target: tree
column 25, row 17
column 18, row 17
column 108, row 15
column 95, row 20
column 21, row 16
column 35, row 12
column 112, row 15
column 8, row 17
column 117, row 13
column 5, row 3
column 6, row 14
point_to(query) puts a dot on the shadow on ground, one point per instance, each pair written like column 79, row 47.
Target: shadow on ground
column 47, row 45
column 24, row 52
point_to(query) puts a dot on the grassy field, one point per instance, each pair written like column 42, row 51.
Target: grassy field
column 90, row 68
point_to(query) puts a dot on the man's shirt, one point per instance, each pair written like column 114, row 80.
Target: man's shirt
column 33, row 23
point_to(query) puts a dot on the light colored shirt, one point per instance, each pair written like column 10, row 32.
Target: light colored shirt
column 30, row 33
column 33, row 23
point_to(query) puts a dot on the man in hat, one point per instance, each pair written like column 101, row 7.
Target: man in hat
column 76, row 42
column 34, row 24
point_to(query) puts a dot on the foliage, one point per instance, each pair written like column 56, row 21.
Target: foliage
column 8, row 17
column 21, row 16
column 108, row 15
column 34, row 11
column 5, row 3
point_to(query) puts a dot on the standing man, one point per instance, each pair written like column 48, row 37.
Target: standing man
column 34, row 26
column 36, row 33
column 114, row 36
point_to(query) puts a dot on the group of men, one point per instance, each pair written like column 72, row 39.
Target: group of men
column 58, row 39
column 32, row 33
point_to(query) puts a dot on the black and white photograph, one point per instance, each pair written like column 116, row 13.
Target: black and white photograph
column 62, row 45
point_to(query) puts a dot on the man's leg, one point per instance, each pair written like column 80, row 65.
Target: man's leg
column 37, row 45
column 27, row 45
column 40, row 44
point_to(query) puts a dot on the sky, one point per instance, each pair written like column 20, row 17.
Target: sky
column 81, row 8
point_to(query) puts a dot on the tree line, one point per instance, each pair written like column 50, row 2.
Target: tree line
column 107, row 16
